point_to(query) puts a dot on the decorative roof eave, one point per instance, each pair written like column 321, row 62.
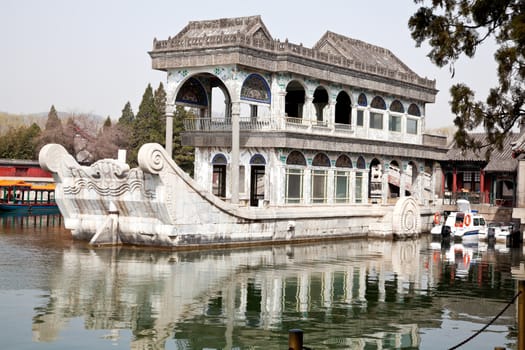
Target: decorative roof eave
column 292, row 61
column 502, row 166
column 500, row 160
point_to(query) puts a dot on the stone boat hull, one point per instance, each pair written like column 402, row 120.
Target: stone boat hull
column 158, row 204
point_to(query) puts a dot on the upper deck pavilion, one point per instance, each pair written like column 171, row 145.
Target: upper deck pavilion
column 245, row 41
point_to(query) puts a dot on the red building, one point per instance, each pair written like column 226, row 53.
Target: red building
column 468, row 174
column 27, row 170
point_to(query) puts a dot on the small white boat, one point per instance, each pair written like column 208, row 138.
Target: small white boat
column 499, row 232
column 464, row 224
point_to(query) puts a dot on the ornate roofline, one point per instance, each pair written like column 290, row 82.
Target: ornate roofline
column 276, row 48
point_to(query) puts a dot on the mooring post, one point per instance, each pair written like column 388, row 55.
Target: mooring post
column 521, row 315
column 295, row 339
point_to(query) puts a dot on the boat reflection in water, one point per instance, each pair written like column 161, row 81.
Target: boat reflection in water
column 44, row 218
column 354, row 294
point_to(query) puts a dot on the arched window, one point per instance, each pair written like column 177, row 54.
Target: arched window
column 375, row 180
column 394, row 120
column 397, row 106
column 359, row 178
column 394, row 179
column 296, row 158
column 342, row 179
column 321, row 159
column 376, row 118
column 257, row 171
column 192, row 94
column 257, row 159
column 412, row 123
column 413, row 109
column 295, row 165
column 219, row 158
column 411, row 173
column 219, row 175
column 361, row 100
column 360, row 116
column 361, row 164
column 255, row 88
column 378, row 103
column 320, row 101
column 320, row 164
column 294, row 100
column 343, row 161
column 343, row 108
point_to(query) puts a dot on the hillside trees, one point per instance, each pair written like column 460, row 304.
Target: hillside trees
column 454, row 28
column 86, row 140
column 20, row 142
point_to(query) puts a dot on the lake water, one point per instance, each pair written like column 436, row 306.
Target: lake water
column 56, row 293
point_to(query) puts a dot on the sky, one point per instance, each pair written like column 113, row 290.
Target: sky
column 91, row 56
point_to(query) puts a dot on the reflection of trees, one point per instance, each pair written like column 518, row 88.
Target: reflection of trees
column 364, row 291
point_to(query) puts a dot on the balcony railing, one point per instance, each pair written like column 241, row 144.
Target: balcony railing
column 296, row 125
column 257, row 124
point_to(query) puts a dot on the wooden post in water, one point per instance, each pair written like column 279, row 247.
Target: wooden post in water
column 519, row 274
column 295, row 339
column 521, row 315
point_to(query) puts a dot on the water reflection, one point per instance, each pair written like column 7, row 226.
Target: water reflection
column 11, row 222
column 350, row 294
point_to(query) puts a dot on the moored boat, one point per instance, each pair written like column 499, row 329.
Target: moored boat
column 18, row 196
column 502, row 232
column 464, row 224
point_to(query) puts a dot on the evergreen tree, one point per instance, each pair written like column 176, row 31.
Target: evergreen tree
column 127, row 115
column 183, row 155
column 20, row 143
column 107, row 123
column 456, row 27
column 160, row 101
column 53, row 122
column 54, row 132
column 148, row 125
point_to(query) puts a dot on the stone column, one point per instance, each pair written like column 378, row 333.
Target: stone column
column 520, row 186
column 235, row 153
column 402, row 180
column 170, row 108
column 365, row 187
column 308, row 110
column 329, row 114
column 307, row 185
column 384, row 183
column 330, row 186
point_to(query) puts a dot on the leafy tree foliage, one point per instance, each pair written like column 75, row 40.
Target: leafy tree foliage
column 20, row 142
column 109, row 140
column 457, row 27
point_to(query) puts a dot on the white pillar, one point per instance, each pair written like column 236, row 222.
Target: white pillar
column 235, row 153
column 170, row 109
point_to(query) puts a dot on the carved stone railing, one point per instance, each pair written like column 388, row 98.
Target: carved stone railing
column 255, row 124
